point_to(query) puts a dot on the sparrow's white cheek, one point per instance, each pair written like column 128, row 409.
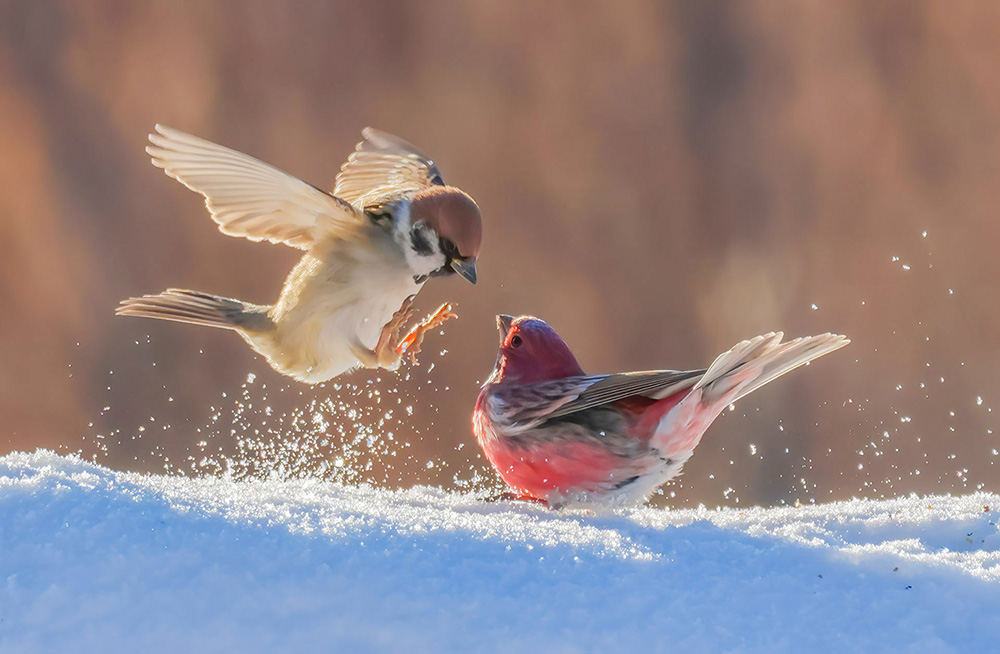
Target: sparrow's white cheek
column 421, row 265
column 423, row 260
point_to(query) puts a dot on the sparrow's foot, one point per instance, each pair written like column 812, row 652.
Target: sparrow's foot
column 386, row 355
column 410, row 345
column 364, row 356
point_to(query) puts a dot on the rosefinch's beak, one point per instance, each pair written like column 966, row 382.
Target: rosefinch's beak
column 465, row 267
column 503, row 324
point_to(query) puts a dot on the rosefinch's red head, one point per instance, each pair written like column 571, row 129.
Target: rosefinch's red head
column 531, row 351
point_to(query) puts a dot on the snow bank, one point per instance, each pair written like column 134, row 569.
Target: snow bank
column 97, row 560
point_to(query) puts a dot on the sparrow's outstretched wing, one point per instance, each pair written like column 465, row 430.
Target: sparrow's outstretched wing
column 382, row 164
column 248, row 197
column 528, row 405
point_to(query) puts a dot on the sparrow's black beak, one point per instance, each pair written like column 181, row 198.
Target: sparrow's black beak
column 503, row 324
column 465, row 267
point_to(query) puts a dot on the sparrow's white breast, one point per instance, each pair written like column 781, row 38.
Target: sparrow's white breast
column 339, row 292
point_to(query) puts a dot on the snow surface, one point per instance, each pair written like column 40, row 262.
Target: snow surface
column 95, row 560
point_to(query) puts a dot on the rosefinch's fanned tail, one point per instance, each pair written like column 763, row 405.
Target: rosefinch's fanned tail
column 753, row 363
column 743, row 369
column 198, row 308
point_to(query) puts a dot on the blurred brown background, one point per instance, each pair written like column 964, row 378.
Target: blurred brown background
column 659, row 180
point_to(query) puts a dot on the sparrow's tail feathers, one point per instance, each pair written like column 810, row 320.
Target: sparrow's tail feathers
column 198, row 309
column 753, row 363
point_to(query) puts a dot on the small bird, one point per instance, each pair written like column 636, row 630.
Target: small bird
column 562, row 437
column 390, row 224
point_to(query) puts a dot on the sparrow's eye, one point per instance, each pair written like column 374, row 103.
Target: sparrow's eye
column 516, row 341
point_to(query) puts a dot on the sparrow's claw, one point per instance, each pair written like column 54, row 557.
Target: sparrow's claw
column 410, row 345
column 385, row 355
column 391, row 348
column 399, row 319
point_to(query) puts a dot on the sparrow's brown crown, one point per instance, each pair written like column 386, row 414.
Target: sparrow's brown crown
column 453, row 215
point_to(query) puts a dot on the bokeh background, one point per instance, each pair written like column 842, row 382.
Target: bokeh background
column 659, row 180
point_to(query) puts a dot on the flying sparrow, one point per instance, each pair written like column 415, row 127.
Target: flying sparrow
column 390, row 224
column 557, row 435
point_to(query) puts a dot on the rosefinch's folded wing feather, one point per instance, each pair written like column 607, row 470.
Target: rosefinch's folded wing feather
column 381, row 164
column 654, row 384
column 248, row 197
column 529, row 404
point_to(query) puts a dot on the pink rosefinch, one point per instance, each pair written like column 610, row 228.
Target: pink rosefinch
column 560, row 436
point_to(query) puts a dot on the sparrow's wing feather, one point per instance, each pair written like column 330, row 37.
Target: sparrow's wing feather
column 530, row 404
column 248, row 197
column 383, row 162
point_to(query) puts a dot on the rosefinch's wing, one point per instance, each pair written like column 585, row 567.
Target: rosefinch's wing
column 248, row 197
column 383, row 164
column 525, row 406
column 654, row 384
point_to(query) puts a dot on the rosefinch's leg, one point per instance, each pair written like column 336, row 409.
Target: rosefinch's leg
column 510, row 496
column 410, row 345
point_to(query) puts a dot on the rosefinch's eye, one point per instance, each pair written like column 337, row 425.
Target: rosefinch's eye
column 515, row 342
